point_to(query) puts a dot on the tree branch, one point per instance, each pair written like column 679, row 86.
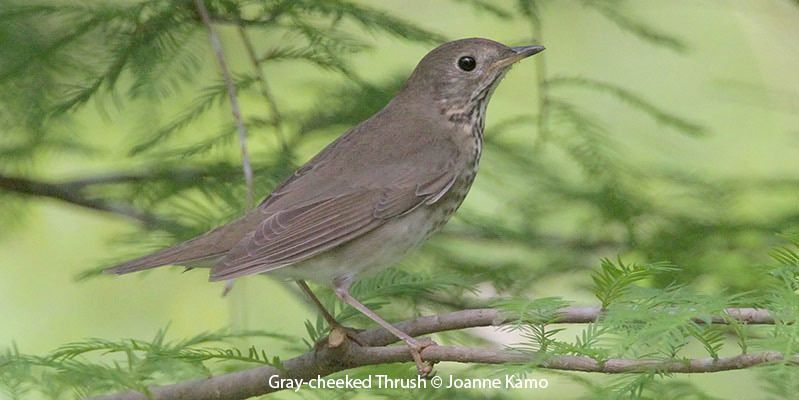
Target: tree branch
column 76, row 191
column 72, row 192
column 271, row 102
column 346, row 355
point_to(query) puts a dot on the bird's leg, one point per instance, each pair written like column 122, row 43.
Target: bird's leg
column 331, row 321
column 325, row 314
column 415, row 346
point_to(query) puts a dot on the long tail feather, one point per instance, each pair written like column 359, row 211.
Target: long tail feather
column 187, row 253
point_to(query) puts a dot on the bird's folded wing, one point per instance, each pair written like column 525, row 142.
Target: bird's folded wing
column 292, row 235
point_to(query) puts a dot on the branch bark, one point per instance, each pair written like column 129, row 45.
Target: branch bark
column 73, row 193
column 347, row 355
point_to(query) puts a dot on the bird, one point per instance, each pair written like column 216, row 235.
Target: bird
column 372, row 195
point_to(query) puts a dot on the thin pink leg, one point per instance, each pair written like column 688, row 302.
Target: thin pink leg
column 415, row 347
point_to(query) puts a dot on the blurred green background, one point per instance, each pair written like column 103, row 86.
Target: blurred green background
column 736, row 79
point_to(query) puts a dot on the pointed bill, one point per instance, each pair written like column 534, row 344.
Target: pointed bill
column 519, row 53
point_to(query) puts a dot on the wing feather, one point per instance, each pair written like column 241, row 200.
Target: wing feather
column 300, row 234
column 296, row 234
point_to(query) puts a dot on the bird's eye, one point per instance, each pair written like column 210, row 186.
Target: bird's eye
column 467, row 63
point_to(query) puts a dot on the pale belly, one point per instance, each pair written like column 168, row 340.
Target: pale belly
column 370, row 253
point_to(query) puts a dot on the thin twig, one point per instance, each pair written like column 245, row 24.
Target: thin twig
column 71, row 193
column 277, row 117
column 216, row 44
column 173, row 175
column 327, row 360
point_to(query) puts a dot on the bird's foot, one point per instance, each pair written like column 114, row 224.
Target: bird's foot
column 416, row 346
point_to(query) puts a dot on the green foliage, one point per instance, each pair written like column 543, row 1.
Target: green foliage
column 614, row 10
column 531, row 319
column 614, row 281
column 670, row 324
column 783, row 297
column 564, row 190
column 152, row 51
column 98, row 365
column 634, row 100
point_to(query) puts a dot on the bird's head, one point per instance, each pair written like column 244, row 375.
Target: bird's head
column 461, row 75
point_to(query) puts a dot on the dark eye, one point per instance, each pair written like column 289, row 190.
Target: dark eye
column 467, row 63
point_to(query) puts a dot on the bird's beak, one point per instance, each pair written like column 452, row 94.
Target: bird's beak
column 527, row 51
column 519, row 53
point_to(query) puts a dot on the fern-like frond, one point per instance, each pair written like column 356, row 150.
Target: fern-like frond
column 614, row 11
column 613, row 281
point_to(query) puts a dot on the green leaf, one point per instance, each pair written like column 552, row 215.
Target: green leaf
column 614, row 281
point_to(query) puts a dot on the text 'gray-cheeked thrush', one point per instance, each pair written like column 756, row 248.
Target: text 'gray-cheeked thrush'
column 373, row 194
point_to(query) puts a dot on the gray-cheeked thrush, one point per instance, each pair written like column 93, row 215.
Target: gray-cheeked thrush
column 373, row 194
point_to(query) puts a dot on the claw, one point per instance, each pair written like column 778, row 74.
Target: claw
column 424, row 368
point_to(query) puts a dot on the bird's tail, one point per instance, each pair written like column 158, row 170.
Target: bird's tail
column 187, row 253
column 207, row 247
